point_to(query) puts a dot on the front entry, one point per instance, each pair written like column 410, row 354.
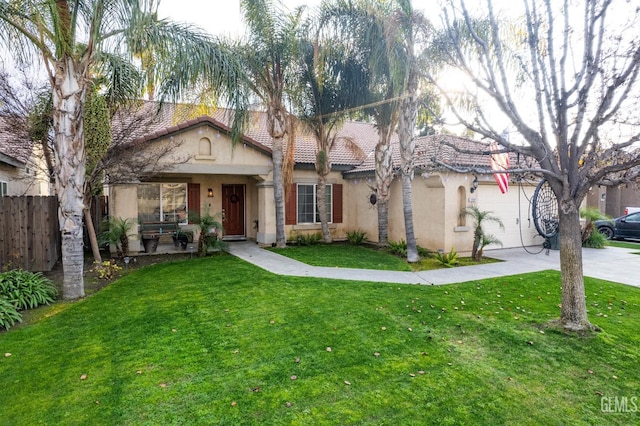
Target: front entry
column 233, row 211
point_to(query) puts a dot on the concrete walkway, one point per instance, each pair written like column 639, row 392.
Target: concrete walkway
column 612, row 264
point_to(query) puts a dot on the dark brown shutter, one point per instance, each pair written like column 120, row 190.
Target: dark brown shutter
column 193, row 200
column 337, row 203
column 291, row 207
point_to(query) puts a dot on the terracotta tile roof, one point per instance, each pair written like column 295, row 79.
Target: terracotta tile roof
column 16, row 147
column 148, row 122
column 354, row 147
column 430, row 150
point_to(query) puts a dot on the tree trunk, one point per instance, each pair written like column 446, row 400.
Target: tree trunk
column 278, row 190
column 91, row 233
column 477, row 240
column 407, row 208
column 68, row 95
column 573, row 315
column 406, row 125
column 384, row 176
column 276, row 119
column 321, row 204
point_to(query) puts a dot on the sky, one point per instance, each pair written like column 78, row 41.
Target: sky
column 219, row 17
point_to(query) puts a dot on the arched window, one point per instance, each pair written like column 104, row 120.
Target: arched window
column 462, row 204
column 204, row 147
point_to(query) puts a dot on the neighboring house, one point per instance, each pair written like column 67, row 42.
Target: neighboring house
column 237, row 183
column 612, row 200
column 21, row 163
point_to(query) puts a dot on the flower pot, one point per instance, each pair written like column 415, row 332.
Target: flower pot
column 150, row 244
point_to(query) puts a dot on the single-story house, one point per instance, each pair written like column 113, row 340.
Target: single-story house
column 21, row 163
column 204, row 171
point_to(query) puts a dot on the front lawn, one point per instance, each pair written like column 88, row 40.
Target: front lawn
column 344, row 256
column 352, row 256
column 220, row 341
column 624, row 244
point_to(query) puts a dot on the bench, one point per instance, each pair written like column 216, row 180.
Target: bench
column 154, row 230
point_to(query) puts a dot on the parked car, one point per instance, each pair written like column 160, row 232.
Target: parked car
column 629, row 210
column 627, row 226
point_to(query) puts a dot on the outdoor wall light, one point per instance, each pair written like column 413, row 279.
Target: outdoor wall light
column 210, row 193
column 474, row 184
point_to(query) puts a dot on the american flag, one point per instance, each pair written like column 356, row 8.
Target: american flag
column 500, row 164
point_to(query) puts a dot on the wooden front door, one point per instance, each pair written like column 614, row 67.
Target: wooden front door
column 233, row 210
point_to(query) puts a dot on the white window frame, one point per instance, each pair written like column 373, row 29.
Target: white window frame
column 4, row 188
column 328, row 194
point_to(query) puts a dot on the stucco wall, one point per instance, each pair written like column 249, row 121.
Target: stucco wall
column 28, row 180
column 437, row 200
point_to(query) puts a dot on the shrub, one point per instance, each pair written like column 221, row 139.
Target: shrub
column 356, row 237
column 398, row 248
column 115, row 232
column 449, row 260
column 8, row 314
column 26, row 290
column 307, row 239
column 106, row 270
column 590, row 236
column 595, row 240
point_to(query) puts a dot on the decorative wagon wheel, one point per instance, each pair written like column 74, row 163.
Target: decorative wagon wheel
column 545, row 210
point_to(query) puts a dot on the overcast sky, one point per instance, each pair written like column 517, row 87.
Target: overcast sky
column 221, row 17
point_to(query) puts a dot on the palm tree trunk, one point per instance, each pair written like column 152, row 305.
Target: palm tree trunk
column 573, row 314
column 278, row 189
column 384, row 176
column 321, row 203
column 407, row 208
column 406, row 125
column 276, row 118
column 68, row 93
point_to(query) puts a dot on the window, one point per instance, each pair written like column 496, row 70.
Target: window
column 307, row 210
column 3, row 189
column 162, row 202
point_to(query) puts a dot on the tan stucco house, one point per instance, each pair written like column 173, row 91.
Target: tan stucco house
column 22, row 170
column 237, row 183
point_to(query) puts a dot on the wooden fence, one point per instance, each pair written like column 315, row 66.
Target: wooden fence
column 29, row 233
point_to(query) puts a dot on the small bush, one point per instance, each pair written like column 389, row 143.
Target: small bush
column 9, row 315
column 106, row 270
column 449, row 259
column 398, row 248
column 595, row 240
column 26, row 290
column 356, row 237
column 308, row 239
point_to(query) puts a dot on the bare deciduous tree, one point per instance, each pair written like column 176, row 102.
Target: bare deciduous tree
column 564, row 75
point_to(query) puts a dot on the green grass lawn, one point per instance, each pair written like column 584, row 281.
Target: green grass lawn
column 624, row 244
column 353, row 256
column 220, row 341
column 344, row 256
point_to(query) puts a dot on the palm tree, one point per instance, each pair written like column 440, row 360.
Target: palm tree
column 409, row 25
column 74, row 38
column 331, row 77
column 365, row 22
column 480, row 239
column 269, row 61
